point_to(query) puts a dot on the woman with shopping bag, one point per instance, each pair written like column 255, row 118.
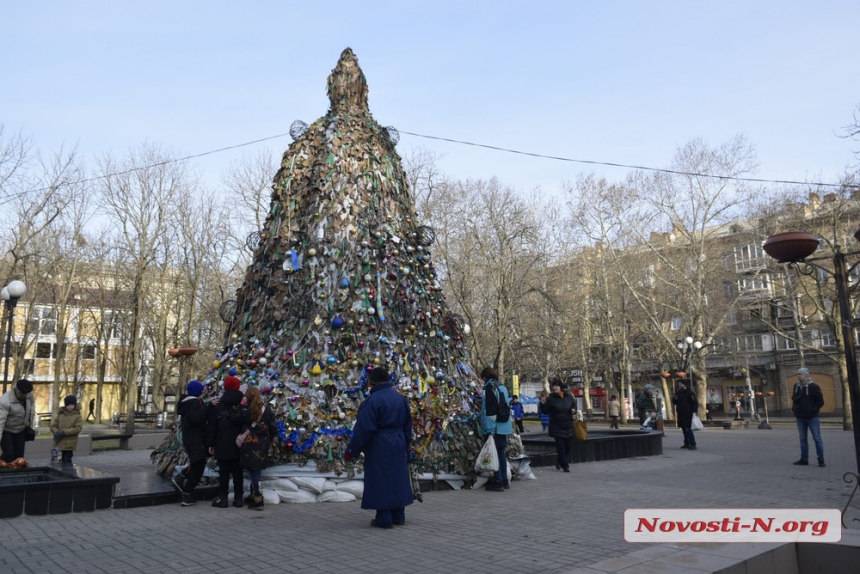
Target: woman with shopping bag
column 561, row 407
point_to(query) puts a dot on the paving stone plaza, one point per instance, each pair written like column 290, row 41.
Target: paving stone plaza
column 557, row 523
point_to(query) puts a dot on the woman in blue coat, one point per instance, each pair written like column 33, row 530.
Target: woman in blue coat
column 496, row 394
column 383, row 431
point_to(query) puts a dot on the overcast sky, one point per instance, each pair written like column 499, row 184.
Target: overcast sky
column 613, row 81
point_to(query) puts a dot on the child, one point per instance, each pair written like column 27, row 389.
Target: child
column 544, row 418
column 221, row 432
column 66, row 428
column 518, row 413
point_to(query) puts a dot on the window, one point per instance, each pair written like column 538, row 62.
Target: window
column 113, row 324
column 747, row 283
column 752, row 343
column 749, row 257
column 827, row 339
column 783, row 344
column 731, row 318
column 88, row 352
column 43, row 321
column 45, row 351
column 675, row 324
column 728, row 289
column 29, row 366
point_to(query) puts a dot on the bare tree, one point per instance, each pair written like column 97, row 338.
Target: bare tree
column 140, row 195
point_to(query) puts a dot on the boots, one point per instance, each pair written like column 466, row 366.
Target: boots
column 256, row 502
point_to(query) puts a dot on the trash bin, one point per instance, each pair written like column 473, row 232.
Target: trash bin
column 159, row 420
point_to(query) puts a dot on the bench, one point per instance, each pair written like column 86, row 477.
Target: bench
column 150, row 419
column 123, row 439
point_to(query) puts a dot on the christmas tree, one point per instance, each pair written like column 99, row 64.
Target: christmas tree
column 342, row 280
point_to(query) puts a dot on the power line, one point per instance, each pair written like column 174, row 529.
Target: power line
column 473, row 144
column 627, row 166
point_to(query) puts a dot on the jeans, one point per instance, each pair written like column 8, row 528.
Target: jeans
column 255, row 481
column 689, row 436
column 814, row 426
column 501, row 441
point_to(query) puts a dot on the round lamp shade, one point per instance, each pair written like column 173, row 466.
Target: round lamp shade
column 791, row 246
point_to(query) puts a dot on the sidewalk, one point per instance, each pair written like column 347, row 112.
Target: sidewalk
column 559, row 523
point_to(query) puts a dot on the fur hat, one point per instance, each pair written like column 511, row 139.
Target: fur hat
column 70, row 400
column 379, row 375
column 194, row 388
column 231, row 383
column 24, row 386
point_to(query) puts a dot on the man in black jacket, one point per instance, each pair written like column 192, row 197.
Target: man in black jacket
column 806, row 401
column 686, row 404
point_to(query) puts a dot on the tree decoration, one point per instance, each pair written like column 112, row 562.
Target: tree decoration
column 342, row 280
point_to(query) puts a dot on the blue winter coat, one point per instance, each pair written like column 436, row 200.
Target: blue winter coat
column 517, row 411
column 383, row 432
column 489, row 425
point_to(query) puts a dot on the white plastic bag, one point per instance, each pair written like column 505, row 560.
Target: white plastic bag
column 697, row 423
column 488, row 458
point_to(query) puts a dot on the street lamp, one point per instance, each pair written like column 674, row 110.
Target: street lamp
column 10, row 294
column 688, row 347
column 795, row 247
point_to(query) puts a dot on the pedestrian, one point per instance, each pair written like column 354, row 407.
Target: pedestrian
column 194, row 419
column 221, row 432
column 66, row 427
column 806, row 401
column 646, row 403
column 496, row 422
column 518, row 412
column 738, row 416
column 544, row 418
column 16, row 420
column 259, row 422
column 92, row 412
column 383, row 432
column 685, row 405
column 614, row 411
column 561, row 407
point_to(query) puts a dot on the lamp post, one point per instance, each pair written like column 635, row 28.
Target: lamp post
column 10, row 294
column 795, row 247
column 182, row 354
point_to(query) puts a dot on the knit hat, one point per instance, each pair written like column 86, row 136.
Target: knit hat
column 379, row 375
column 194, row 388
column 70, row 400
column 803, row 371
column 24, row 386
column 231, row 383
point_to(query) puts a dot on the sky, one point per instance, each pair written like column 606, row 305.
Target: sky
column 624, row 82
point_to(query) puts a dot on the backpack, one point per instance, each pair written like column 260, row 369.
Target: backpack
column 503, row 411
column 496, row 407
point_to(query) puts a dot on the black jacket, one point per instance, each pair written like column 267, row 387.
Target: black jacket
column 195, row 416
column 225, row 425
column 686, row 404
column 254, row 454
column 806, row 400
column 560, row 411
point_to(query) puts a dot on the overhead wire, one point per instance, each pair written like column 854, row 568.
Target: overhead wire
column 480, row 145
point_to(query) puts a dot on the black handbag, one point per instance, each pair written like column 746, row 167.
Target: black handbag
column 29, row 434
